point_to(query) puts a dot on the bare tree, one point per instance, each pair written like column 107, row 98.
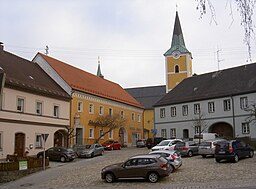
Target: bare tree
column 245, row 9
column 109, row 122
column 70, row 134
column 251, row 109
column 200, row 124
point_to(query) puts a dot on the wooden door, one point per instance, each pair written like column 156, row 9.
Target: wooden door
column 20, row 144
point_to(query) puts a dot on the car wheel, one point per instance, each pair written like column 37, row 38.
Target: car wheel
column 217, row 160
column 119, row 148
column 203, row 156
column 172, row 168
column 102, row 152
column 153, row 177
column 92, row 155
column 190, row 153
column 236, row 158
column 112, row 148
column 110, row 178
column 62, row 159
column 251, row 154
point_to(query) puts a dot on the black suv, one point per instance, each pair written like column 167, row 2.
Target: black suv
column 151, row 142
column 232, row 150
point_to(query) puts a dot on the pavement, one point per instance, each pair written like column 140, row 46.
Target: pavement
column 195, row 173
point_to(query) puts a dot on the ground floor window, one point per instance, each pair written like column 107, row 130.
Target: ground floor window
column 110, row 134
column 197, row 129
column 91, row 133
column 245, row 128
column 163, row 133
column 173, row 133
column 39, row 140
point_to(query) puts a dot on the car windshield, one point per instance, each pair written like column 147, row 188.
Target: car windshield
column 88, row 146
column 164, row 143
column 109, row 142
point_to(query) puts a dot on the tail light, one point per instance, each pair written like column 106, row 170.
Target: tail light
column 184, row 148
column 175, row 148
column 173, row 157
column 164, row 166
column 230, row 148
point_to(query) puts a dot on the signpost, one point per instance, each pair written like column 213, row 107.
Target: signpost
column 44, row 136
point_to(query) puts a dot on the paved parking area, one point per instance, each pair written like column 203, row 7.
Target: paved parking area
column 196, row 172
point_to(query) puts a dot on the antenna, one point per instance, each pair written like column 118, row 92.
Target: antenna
column 218, row 57
column 46, row 50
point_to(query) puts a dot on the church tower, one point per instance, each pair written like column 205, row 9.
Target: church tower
column 178, row 60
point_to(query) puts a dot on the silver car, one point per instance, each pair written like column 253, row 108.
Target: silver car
column 208, row 147
column 90, row 150
column 174, row 159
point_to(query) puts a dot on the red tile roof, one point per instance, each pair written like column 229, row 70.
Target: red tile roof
column 83, row 81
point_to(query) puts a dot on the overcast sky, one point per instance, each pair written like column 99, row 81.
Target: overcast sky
column 129, row 36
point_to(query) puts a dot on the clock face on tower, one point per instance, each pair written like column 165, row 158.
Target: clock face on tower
column 176, row 54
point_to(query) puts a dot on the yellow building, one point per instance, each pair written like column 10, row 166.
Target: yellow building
column 94, row 96
column 178, row 62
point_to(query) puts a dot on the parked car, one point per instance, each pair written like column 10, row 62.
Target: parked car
column 174, row 159
column 232, row 150
column 58, row 154
column 207, row 148
column 166, row 144
column 188, row 148
column 141, row 143
column 112, row 145
column 151, row 142
column 89, row 150
column 150, row 167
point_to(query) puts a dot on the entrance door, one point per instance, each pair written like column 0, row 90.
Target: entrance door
column 79, row 136
column 20, row 144
column 185, row 134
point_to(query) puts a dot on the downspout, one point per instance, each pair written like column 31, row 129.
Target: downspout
column 70, row 120
column 1, row 90
column 233, row 116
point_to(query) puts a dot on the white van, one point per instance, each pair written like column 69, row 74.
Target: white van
column 206, row 136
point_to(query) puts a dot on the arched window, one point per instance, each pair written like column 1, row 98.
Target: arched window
column 177, row 69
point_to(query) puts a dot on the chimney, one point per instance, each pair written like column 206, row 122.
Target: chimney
column 1, row 46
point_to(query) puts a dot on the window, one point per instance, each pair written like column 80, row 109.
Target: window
column 39, row 141
column 138, row 117
column 196, row 108
column 243, row 102
column 101, row 110
column 20, row 105
column 211, row 107
column 173, row 133
column 101, row 134
column 122, row 114
column 177, row 69
column 91, row 133
column 163, row 133
column 1, row 140
column 245, row 128
column 110, row 134
column 197, row 129
column 162, row 112
column 185, row 110
column 133, row 117
column 80, row 106
column 39, row 108
column 110, row 111
column 227, row 105
column 173, row 111
column 91, row 108
column 56, row 111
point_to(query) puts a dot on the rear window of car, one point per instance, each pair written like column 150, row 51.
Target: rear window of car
column 163, row 159
column 163, row 143
column 179, row 144
column 205, row 144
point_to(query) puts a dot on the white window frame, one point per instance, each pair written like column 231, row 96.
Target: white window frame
column 101, row 110
column 39, row 109
column 110, row 111
column 162, row 112
column 245, row 128
column 139, row 120
column 111, row 134
column 1, row 140
column 163, row 133
column 80, row 106
column 173, row 133
column 38, row 140
column 91, row 109
column 185, row 110
column 211, row 107
column 101, row 132
column 197, row 130
column 227, row 105
column 91, row 133
column 20, row 104
column 56, row 110
column 173, row 111
column 243, row 102
column 122, row 114
column 196, row 108
column 133, row 116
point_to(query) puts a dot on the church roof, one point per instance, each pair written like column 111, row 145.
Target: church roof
column 86, row 82
column 178, row 43
column 148, row 96
column 229, row 82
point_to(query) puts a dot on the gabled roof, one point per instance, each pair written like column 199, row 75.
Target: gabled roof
column 224, row 83
column 25, row 75
column 86, row 82
column 178, row 43
column 148, row 96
